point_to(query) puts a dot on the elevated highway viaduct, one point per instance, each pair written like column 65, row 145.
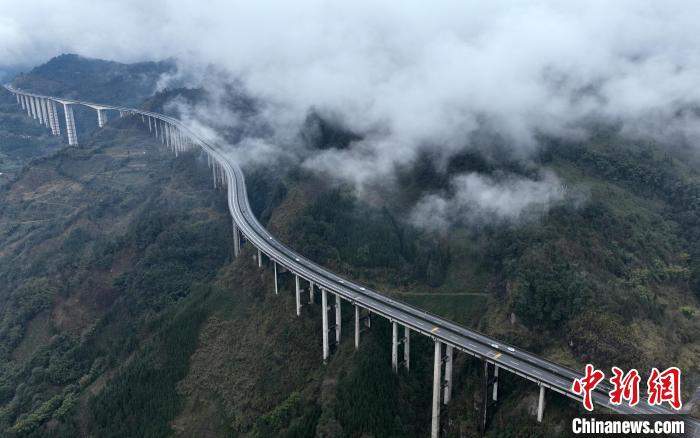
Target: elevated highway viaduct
column 311, row 278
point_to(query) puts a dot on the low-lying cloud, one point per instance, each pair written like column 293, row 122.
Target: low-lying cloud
column 478, row 199
column 403, row 75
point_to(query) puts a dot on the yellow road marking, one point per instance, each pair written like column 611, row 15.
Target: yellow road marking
column 498, row 355
column 435, row 329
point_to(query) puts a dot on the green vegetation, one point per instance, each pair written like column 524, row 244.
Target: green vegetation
column 124, row 315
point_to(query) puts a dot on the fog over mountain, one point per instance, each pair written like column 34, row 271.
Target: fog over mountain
column 403, row 75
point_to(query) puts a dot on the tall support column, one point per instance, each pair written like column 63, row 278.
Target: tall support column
column 484, row 398
column 407, row 347
column 437, row 388
column 311, row 292
column 150, row 127
column 495, row 382
column 394, row 346
column 298, row 294
column 155, row 127
column 70, row 124
column 40, row 108
column 49, row 116
column 39, row 116
column 53, row 120
column 236, row 241
column 54, row 116
column 44, row 112
column 357, row 327
column 101, row 117
column 448, row 374
column 324, row 318
column 338, row 324
column 275, row 271
column 22, row 102
column 540, row 405
column 28, row 105
column 259, row 258
column 32, row 101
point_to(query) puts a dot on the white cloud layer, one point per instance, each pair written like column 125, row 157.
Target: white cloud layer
column 479, row 199
column 404, row 74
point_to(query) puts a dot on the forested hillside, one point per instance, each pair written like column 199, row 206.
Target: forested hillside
column 122, row 312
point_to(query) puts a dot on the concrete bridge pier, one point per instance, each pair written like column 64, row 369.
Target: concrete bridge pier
column 44, row 112
column 49, row 116
column 275, row 273
column 236, row 241
column 28, row 104
column 37, row 109
column 357, row 327
column 70, row 124
column 259, row 258
column 448, row 374
column 540, row 404
column 52, row 119
column 101, row 117
column 359, row 322
column 168, row 136
column 297, row 294
column 311, row 292
column 22, row 101
column 40, row 115
column 40, row 109
column 395, row 342
column 338, row 324
column 32, row 100
column 487, row 381
column 150, row 126
column 395, row 346
column 407, row 348
column 324, row 322
column 437, row 390
column 54, row 115
column 442, row 384
column 495, row 383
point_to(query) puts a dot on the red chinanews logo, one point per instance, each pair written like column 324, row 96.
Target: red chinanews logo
column 662, row 386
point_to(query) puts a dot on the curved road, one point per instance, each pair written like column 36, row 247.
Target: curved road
column 542, row 371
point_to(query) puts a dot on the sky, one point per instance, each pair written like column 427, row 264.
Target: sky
column 406, row 75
